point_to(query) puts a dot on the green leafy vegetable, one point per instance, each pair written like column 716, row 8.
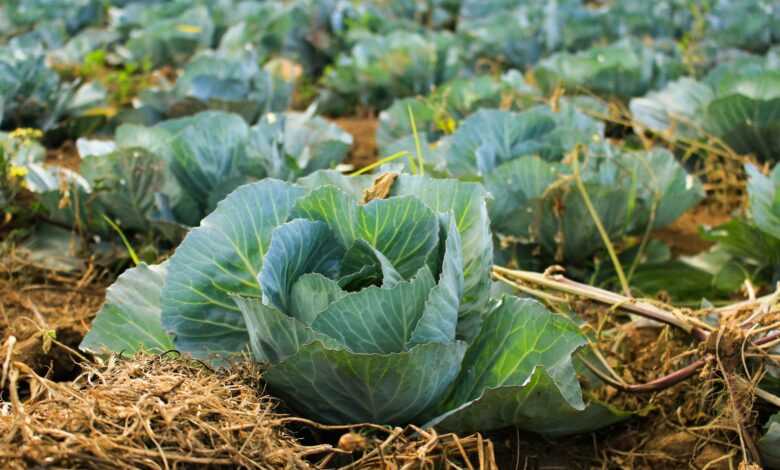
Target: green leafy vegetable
column 130, row 318
column 372, row 311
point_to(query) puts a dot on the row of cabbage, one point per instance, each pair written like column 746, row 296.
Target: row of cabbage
column 353, row 55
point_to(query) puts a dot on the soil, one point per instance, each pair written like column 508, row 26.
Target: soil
column 41, row 308
column 683, row 234
column 363, row 131
column 66, row 155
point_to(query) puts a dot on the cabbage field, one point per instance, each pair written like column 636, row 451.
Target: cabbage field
column 436, row 234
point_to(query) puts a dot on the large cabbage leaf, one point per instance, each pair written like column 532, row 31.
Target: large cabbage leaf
column 519, row 372
column 130, row 317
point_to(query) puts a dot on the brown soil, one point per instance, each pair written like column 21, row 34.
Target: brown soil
column 66, row 155
column 41, row 308
column 363, row 131
column 683, row 234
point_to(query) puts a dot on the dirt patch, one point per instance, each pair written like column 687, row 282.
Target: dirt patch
column 683, row 234
column 40, row 308
column 363, row 131
column 66, row 155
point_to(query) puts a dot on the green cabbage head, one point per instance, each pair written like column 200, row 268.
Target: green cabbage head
column 375, row 311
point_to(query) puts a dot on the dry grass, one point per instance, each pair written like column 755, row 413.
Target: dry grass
column 167, row 412
column 149, row 412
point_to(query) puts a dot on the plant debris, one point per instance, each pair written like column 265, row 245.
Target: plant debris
column 148, row 412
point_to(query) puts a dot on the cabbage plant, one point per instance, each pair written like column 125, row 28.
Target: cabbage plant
column 380, row 68
column 735, row 104
column 440, row 112
column 360, row 311
column 623, row 69
column 520, row 158
column 176, row 172
column 31, row 93
column 165, row 33
column 215, row 81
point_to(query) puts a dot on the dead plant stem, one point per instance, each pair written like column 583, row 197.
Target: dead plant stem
column 597, row 221
column 644, row 309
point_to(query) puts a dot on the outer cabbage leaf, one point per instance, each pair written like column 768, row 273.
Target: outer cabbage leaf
column 206, row 151
column 129, row 320
column 519, row 372
column 223, row 257
column 745, row 113
column 339, row 386
column 764, row 195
